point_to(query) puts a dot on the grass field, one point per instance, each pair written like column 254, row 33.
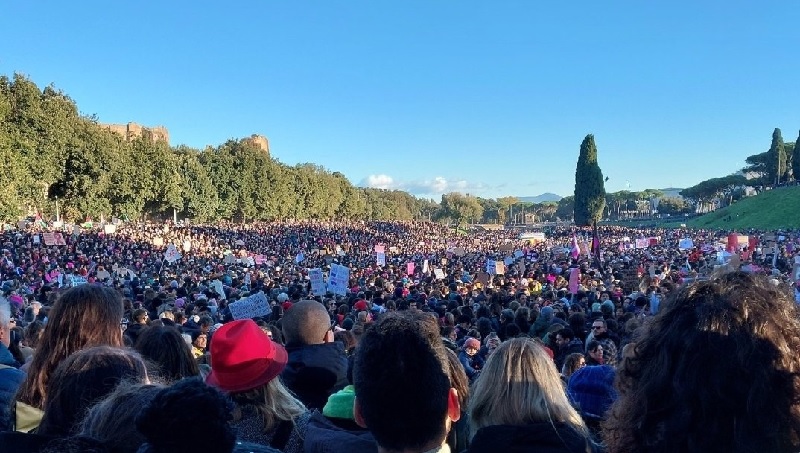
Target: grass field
column 770, row 210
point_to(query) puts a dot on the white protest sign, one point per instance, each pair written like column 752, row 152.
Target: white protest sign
column 172, row 254
column 438, row 273
column 317, row 282
column 425, row 267
column 158, row 241
column 339, row 279
column 36, row 239
column 642, row 243
column 77, row 280
column 254, row 306
column 76, row 230
column 499, row 268
column 187, row 246
column 685, row 244
column 110, row 228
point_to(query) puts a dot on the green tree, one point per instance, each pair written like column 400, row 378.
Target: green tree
column 504, row 206
column 777, row 158
column 796, row 159
column 590, row 192
column 565, row 209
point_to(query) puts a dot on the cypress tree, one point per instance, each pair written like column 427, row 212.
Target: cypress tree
column 777, row 157
column 590, row 192
column 796, row 159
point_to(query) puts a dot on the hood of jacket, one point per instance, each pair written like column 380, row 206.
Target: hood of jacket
column 315, row 372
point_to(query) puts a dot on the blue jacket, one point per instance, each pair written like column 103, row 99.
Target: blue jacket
column 472, row 365
column 10, row 379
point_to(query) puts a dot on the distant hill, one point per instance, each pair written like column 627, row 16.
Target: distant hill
column 769, row 210
column 543, row 198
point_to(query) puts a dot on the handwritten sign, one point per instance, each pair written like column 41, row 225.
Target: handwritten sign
column 317, row 282
column 339, row 279
column 438, row 273
column 254, row 306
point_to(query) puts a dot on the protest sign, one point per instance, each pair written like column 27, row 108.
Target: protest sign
column 380, row 249
column 508, row 261
column 77, row 280
column 59, row 239
column 438, row 273
column 499, row 268
column 299, row 258
column 110, row 228
column 685, row 244
column 187, row 246
column 317, row 282
column 36, row 239
column 158, row 241
column 381, row 259
column 425, row 267
column 216, row 285
column 482, row 278
column 410, row 268
column 229, row 259
column 642, row 243
column 254, row 306
column 172, row 254
column 519, row 254
column 339, row 279
column 491, row 267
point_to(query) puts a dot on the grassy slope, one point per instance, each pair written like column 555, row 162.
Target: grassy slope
column 773, row 209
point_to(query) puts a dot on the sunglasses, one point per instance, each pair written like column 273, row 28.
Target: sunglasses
column 597, row 327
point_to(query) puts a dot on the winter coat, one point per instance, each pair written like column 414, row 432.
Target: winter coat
column 539, row 437
column 10, row 380
column 315, row 372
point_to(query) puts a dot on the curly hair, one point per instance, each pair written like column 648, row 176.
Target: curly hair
column 716, row 370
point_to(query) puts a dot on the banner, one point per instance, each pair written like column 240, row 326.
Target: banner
column 339, row 279
column 254, row 306
column 317, row 282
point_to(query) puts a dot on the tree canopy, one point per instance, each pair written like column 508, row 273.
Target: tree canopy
column 590, row 192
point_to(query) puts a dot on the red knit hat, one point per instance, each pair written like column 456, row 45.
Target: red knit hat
column 243, row 357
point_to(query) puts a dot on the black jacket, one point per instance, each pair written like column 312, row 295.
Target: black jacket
column 315, row 372
column 534, row 438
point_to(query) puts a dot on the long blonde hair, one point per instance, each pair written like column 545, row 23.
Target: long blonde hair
column 272, row 401
column 518, row 386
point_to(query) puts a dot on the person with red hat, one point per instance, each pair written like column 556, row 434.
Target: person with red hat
column 245, row 364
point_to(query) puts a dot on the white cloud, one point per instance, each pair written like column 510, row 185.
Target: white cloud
column 430, row 187
column 378, row 182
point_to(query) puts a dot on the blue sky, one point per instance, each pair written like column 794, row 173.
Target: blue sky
column 489, row 98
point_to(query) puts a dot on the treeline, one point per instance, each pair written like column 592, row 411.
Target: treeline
column 49, row 152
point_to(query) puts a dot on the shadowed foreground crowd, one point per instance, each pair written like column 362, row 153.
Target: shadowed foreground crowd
column 715, row 369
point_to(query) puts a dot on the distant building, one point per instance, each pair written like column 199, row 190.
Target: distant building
column 131, row 131
column 258, row 140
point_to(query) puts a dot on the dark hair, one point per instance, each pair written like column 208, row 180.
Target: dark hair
column 592, row 346
column 112, row 420
column 165, row 348
column 402, row 381
column 566, row 333
column 83, row 379
column 715, row 370
column 190, row 407
column 84, row 316
column 32, row 333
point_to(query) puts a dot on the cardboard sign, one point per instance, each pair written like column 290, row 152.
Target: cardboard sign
column 22, row 224
column 317, row 282
column 499, row 268
column 506, row 248
column 254, row 306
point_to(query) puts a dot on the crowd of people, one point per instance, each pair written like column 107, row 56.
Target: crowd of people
column 621, row 340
